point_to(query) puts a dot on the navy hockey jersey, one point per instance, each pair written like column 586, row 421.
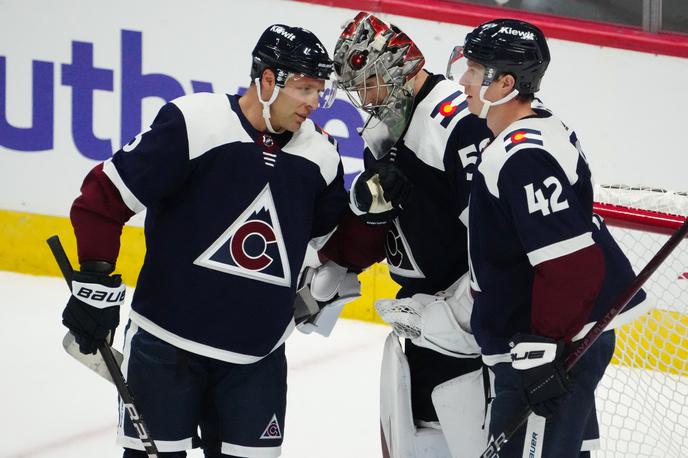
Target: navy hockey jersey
column 532, row 203
column 230, row 212
column 426, row 244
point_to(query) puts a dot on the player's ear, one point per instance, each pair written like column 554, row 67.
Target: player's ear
column 267, row 83
column 507, row 83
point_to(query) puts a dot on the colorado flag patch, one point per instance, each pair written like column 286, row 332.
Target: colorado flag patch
column 522, row 136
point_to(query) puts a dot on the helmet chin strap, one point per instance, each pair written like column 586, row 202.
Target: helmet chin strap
column 487, row 104
column 266, row 106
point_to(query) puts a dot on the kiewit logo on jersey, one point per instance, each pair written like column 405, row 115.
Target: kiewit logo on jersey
column 252, row 246
column 272, row 431
column 399, row 256
column 449, row 107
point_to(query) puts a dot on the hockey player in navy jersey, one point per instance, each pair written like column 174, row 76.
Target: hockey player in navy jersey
column 235, row 189
column 544, row 268
column 421, row 147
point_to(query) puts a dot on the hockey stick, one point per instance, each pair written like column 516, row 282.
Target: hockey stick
column 586, row 342
column 96, row 363
column 110, row 361
column 93, row 362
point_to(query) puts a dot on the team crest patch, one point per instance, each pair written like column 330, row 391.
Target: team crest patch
column 399, row 256
column 448, row 107
column 272, row 431
column 252, row 246
column 522, row 136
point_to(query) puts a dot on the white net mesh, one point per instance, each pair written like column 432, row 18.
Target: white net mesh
column 643, row 398
column 644, row 198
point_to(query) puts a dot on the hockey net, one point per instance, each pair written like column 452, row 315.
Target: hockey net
column 642, row 401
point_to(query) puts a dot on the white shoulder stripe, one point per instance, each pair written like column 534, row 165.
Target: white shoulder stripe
column 210, row 122
column 559, row 249
column 128, row 197
column 314, row 146
column 427, row 134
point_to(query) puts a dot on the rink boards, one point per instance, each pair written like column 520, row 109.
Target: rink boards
column 657, row 341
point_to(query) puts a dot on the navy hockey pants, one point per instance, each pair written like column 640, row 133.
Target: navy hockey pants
column 572, row 429
column 239, row 408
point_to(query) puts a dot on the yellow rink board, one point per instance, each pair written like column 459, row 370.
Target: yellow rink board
column 658, row 341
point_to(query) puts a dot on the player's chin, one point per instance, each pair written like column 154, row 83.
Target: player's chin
column 293, row 126
column 473, row 105
column 296, row 123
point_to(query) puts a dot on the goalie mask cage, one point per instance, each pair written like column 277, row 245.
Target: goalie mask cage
column 642, row 400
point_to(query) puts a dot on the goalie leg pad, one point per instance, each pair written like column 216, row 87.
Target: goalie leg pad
column 460, row 406
column 402, row 438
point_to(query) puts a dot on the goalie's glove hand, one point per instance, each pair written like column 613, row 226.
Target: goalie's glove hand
column 540, row 363
column 92, row 312
column 331, row 286
column 379, row 192
column 404, row 315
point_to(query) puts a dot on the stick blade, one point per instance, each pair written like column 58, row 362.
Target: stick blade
column 93, row 362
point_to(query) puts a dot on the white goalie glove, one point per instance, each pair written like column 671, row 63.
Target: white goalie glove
column 439, row 322
column 322, row 295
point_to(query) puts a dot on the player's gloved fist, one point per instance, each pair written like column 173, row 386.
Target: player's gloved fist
column 540, row 363
column 379, row 192
column 396, row 187
column 92, row 312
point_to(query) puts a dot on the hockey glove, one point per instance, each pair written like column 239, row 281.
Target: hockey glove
column 396, row 187
column 92, row 312
column 379, row 192
column 539, row 362
column 325, row 291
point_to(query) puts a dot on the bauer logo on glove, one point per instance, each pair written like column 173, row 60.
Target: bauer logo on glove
column 101, row 296
column 526, row 355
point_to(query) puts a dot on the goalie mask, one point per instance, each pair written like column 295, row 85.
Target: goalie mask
column 502, row 46
column 375, row 63
column 292, row 53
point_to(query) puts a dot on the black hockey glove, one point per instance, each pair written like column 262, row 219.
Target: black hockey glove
column 539, row 362
column 380, row 192
column 397, row 188
column 92, row 312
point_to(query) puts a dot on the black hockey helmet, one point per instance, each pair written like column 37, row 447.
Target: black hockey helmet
column 509, row 46
column 285, row 50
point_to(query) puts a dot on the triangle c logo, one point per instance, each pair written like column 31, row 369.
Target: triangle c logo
column 252, row 246
column 399, row 256
column 272, row 431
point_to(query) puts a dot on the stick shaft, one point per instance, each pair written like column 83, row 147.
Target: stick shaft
column 110, row 361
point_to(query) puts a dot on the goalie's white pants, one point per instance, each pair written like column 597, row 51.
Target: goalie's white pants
column 460, row 406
